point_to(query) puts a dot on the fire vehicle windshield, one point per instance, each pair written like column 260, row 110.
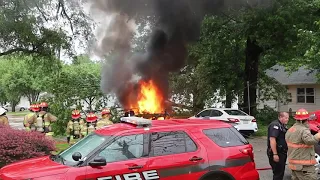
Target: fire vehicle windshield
column 85, row 146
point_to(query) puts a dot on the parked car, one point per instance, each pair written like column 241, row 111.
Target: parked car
column 8, row 107
column 144, row 149
column 243, row 122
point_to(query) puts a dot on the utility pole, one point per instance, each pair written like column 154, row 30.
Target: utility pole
column 248, row 86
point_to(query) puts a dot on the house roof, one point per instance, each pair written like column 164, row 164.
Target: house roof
column 301, row 76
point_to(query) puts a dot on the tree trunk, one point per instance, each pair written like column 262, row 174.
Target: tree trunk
column 197, row 102
column 33, row 97
column 13, row 105
column 91, row 99
column 229, row 98
column 253, row 52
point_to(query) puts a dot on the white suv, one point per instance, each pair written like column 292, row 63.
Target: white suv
column 243, row 122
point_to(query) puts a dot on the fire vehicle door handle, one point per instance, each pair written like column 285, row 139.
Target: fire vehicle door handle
column 195, row 159
column 135, row 167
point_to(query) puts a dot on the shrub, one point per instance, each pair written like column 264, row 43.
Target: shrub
column 266, row 115
column 17, row 145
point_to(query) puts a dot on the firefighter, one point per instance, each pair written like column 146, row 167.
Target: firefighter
column 3, row 118
column 105, row 120
column 45, row 119
column 301, row 154
column 91, row 123
column 277, row 146
column 30, row 120
column 83, row 128
column 73, row 127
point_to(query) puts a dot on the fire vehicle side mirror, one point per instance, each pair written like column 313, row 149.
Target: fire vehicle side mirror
column 76, row 156
column 98, row 161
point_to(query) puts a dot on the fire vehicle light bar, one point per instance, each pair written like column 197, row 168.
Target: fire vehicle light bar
column 137, row 121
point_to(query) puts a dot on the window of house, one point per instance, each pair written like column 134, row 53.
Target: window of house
column 305, row 95
column 175, row 142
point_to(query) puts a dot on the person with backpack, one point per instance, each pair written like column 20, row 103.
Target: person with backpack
column 45, row 119
column 73, row 128
column 30, row 120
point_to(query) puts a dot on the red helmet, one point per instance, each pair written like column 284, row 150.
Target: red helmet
column 43, row 104
column 35, row 107
column 76, row 114
column 91, row 117
column 105, row 111
column 301, row 114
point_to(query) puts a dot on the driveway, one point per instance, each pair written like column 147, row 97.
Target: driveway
column 16, row 122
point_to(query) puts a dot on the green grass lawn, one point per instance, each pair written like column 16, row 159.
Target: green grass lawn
column 60, row 147
column 18, row 113
column 262, row 130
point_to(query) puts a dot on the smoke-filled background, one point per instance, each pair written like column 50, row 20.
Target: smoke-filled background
column 177, row 24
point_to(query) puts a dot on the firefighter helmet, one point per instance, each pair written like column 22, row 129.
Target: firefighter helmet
column 91, row 117
column 43, row 105
column 76, row 114
column 105, row 111
column 301, row 114
column 35, row 107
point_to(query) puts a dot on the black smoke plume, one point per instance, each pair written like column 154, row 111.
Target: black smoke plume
column 177, row 24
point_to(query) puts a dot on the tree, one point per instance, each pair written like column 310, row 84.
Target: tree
column 272, row 37
column 78, row 82
column 243, row 44
column 27, row 28
column 23, row 77
column 74, row 84
column 220, row 57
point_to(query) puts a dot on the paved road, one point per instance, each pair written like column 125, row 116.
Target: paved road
column 259, row 146
column 16, row 121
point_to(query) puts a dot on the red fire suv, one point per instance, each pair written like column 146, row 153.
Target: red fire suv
column 138, row 149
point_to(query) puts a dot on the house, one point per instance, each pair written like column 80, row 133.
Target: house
column 303, row 89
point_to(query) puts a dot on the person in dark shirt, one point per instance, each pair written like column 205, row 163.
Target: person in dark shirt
column 277, row 146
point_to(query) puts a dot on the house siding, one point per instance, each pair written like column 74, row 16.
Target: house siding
column 270, row 103
column 295, row 106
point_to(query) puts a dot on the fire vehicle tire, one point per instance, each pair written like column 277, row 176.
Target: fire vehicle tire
column 217, row 176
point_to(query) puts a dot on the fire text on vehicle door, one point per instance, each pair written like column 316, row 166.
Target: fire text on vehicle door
column 147, row 175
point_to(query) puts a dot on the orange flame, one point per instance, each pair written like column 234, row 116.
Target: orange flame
column 150, row 98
